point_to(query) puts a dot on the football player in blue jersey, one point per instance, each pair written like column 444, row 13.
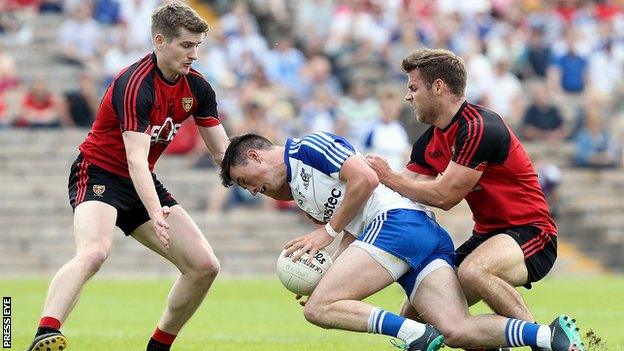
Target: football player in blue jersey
column 385, row 238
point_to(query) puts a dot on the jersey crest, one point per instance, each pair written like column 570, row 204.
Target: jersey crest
column 187, row 103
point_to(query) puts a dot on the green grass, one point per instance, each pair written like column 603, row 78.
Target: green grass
column 258, row 314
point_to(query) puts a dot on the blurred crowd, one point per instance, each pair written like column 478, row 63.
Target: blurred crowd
column 552, row 69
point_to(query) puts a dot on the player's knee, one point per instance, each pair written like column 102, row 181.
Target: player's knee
column 453, row 339
column 316, row 310
column 92, row 260
column 469, row 274
column 206, row 269
column 313, row 313
column 455, row 334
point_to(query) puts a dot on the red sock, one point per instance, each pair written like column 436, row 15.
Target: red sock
column 50, row 322
column 163, row 337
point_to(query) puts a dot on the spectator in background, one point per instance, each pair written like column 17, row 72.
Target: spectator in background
column 595, row 145
column 537, row 55
column 258, row 89
column 215, row 66
column 4, row 113
column 319, row 113
column 78, row 106
column 542, row 120
column 311, row 24
column 480, row 70
column 404, row 39
column 248, row 42
column 356, row 112
column 39, row 108
column 15, row 23
column 79, row 37
column 8, row 70
column 231, row 23
column 606, row 67
column 136, row 15
column 118, row 56
column 567, row 75
column 107, row 11
column 351, row 21
column 284, row 63
column 318, row 73
column 506, row 98
column 387, row 137
column 51, row 6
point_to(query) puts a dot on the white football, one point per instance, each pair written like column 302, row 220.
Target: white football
column 301, row 276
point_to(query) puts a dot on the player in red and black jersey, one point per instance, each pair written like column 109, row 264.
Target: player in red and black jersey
column 470, row 153
column 112, row 181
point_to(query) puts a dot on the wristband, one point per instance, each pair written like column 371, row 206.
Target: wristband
column 330, row 231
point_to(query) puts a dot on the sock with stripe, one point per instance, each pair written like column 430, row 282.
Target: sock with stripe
column 523, row 333
column 160, row 341
column 48, row 325
column 388, row 323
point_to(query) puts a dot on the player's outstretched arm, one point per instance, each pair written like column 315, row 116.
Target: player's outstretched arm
column 443, row 192
column 216, row 141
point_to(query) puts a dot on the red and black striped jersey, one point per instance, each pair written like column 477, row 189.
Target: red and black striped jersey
column 140, row 99
column 508, row 193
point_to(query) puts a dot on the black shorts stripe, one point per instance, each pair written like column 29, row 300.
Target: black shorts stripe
column 83, row 179
column 535, row 245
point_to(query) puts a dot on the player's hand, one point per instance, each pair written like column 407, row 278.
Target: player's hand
column 380, row 166
column 302, row 302
column 159, row 221
column 310, row 243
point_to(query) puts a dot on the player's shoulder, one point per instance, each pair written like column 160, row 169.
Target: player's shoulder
column 197, row 80
column 139, row 69
column 320, row 145
column 478, row 120
column 326, row 139
column 426, row 138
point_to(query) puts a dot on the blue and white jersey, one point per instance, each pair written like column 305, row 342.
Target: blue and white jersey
column 313, row 165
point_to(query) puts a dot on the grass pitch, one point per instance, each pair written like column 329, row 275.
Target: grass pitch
column 259, row 314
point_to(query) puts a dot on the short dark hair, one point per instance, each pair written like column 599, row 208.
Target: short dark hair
column 438, row 64
column 167, row 19
column 236, row 153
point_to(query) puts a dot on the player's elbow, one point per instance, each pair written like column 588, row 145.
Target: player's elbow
column 136, row 162
column 446, row 203
column 370, row 181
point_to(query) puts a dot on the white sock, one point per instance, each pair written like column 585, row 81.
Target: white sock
column 543, row 337
column 411, row 330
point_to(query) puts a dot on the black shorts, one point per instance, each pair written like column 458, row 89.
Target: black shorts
column 539, row 248
column 88, row 182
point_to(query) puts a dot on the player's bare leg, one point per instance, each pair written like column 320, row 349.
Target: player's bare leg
column 336, row 301
column 441, row 301
column 94, row 224
column 191, row 253
column 491, row 273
